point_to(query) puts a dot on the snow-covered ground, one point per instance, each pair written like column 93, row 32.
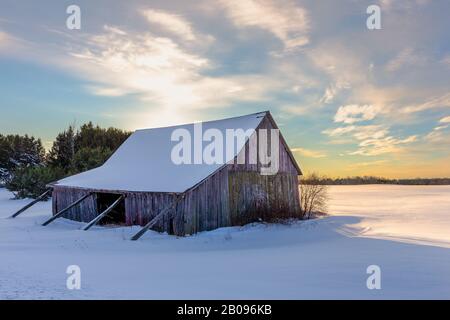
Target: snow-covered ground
column 403, row 229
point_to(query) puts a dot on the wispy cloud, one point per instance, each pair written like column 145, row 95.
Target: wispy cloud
column 355, row 113
column 339, row 131
column 10, row 43
column 446, row 60
column 372, row 140
column 332, row 91
column 406, row 57
column 381, row 145
column 436, row 102
column 445, row 120
column 309, row 153
column 368, row 164
column 3, row 38
column 287, row 21
column 162, row 74
column 439, row 137
column 173, row 23
column 404, row 5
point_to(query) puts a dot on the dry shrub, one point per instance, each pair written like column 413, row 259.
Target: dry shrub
column 313, row 196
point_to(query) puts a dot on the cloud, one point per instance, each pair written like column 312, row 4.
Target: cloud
column 445, row 120
column 438, row 136
column 107, row 91
column 295, row 110
column 153, row 66
column 10, row 43
column 329, row 95
column 359, row 132
column 370, row 132
column 344, row 66
column 287, row 21
column 309, row 153
column 382, row 145
column 163, row 72
column 406, row 57
column 368, row 164
column 372, row 140
column 339, row 131
column 173, row 23
column 355, row 113
column 332, row 91
column 446, row 60
column 164, row 75
column 3, row 38
column 393, row 5
column 436, row 102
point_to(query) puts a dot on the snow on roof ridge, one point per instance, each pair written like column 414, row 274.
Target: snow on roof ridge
column 262, row 113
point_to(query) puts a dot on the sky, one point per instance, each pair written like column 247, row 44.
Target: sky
column 348, row 100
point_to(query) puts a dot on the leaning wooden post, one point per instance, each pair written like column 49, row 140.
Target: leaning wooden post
column 60, row 213
column 42, row 196
column 104, row 213
column 156, row 219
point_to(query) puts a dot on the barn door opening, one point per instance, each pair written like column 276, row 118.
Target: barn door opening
column 117, row 215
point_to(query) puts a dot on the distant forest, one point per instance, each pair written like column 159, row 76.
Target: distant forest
column 323, row 180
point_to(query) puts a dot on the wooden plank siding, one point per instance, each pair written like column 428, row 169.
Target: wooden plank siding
column 256, row 197
column 207, row 206
column 234, row 195
column 62, row 197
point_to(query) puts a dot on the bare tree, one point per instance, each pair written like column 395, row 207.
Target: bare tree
column 313, row 196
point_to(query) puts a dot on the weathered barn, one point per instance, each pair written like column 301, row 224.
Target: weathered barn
column 183, row 198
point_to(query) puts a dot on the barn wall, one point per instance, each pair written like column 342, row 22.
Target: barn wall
column 254, row 196
column 206, row 207
column 202, row 208
column 62, row 197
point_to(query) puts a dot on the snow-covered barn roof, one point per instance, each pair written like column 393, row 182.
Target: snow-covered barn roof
column 143, row 162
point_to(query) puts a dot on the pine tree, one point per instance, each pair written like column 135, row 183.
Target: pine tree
column 18, row 152
column 63, row 150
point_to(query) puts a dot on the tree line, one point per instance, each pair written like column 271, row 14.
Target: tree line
column 26, row 168
column 358, row 180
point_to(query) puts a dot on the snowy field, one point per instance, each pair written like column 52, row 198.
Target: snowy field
column 403, row 229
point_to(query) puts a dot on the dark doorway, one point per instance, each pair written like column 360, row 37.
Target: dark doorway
column 117, row 215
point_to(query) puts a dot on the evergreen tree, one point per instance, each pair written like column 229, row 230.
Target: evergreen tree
column 93, row 137
column 19, row 152
column 63, row 150
column 31, row 182
column 90, row 158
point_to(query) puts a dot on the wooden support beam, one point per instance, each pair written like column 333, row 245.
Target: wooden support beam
column 157, row 218
column 60, row 213
column 42, row 196
column 104, row 213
